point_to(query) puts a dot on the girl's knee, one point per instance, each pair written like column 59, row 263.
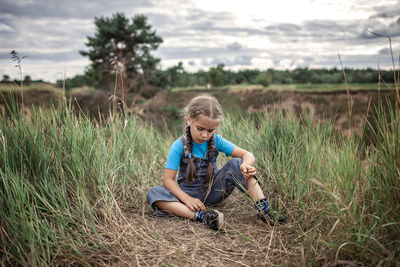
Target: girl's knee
column 235, row 163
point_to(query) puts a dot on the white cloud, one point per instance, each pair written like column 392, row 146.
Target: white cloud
column 44, row 69
column 201, row 33
column 288, row 11
column 5, row 27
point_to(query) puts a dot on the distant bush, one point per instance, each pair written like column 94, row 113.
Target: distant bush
column 264, row 79
column 77, row 81
column 216, row 76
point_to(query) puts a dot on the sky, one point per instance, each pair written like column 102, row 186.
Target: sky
column 261, row 34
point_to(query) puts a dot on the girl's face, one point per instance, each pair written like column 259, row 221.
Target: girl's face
column 201, row 128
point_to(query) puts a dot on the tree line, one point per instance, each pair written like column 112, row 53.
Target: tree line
column 218, row 76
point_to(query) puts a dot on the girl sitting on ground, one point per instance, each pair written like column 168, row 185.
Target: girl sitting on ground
column 193, row 157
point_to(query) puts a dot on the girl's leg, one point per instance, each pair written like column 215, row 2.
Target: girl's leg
column 227, row 179
column 211, row 218
column 164, row 202
column 175, row 208
column 254, row 189
column 230, row 177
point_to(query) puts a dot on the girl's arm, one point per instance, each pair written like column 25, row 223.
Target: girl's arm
column 170, row 183
column 248, row 160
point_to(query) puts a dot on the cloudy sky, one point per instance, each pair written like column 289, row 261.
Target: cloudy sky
column 261, row 34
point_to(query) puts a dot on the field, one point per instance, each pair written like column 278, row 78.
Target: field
column 73, row 190
column 323, row 87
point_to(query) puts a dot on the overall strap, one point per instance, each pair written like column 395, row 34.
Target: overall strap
column 189, row 155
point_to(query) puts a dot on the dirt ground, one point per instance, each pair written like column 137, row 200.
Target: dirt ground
column 148, row 240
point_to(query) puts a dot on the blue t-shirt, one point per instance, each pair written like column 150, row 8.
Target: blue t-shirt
column 199, row 150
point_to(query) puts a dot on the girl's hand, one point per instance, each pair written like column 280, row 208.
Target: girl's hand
column 194, row 204
column 247, row 171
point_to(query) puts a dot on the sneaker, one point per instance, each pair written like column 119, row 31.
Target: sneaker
column 264, row 213
column 267, row 217
column 211, row 218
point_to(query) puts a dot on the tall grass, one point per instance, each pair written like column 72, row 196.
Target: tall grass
column 343, row 199
column 63, row 177
column 60, row 178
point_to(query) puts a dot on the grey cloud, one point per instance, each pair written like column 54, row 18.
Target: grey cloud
column 67, row 9
column 328, row 31
column 382, row 15
column 48, row 35
column 391, row 30
column 368, row 34
column 209, row 27
column 6, row 26
column 352, row 32
column 196, row 22
column 51, row 56
column 200, row 52
column 385, row 22
column 283, row 28
column 384, row 51
column 207, row 22
column 365, row 61
column 386, row 11
column 239, row 60
column 238, row 31
column 203, row 25
column 51, row 25
column 234, row 46
column 317, row 30
column 216, row 61
column 331, row 61
column 295, row 58
column 328, row 26
column 196, row 15
column 242, row 60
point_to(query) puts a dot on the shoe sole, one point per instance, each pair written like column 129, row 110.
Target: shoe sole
column 220, row 219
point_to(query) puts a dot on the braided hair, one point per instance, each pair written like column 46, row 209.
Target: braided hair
column 191, row 169
column 207, row 106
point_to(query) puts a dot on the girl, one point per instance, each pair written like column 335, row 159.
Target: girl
column 199, row 182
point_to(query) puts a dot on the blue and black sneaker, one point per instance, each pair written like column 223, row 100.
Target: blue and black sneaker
column 264, row 213
column 211, row 218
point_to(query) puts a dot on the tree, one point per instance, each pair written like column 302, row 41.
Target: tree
column 264, row 79
column 301, row 75
column 27, row 79
column 76, row 81
column 6, row 78
column 122, row 47
column 216, row 75
column 170, row 77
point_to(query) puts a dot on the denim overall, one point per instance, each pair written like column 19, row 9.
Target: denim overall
column 225, row 180
column 197, row 187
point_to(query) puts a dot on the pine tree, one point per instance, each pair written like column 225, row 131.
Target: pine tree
column 125, row 45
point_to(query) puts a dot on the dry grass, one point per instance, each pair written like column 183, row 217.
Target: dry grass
column 137, row 237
